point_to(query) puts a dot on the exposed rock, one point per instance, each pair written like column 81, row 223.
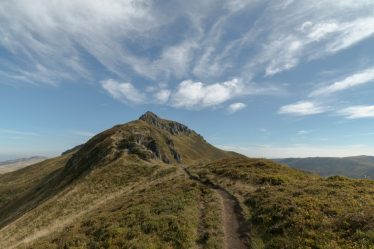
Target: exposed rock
column 173, row 127
column 173, row 151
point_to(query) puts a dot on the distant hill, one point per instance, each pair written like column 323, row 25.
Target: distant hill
column 155, row 183
column 357, row 166
column 13, row 165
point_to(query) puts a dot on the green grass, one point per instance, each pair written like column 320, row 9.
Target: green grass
column 162, row 216
column 290, row 209
column 14, row 184
column 210, row 228
column 129, row 203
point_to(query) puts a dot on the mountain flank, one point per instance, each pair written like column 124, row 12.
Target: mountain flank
column 155, row 183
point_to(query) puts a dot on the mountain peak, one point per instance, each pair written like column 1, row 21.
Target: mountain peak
column 173, row 127
column 149, row 138
column 149, row 116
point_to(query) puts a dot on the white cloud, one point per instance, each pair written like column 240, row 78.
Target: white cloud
column 356, row 79
column 302, row 108
column 196, row 95
column 356, row 112
column 188, row 94
column 232, row 108
column 124, row 92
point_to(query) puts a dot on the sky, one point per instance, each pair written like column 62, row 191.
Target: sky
column 269, row 79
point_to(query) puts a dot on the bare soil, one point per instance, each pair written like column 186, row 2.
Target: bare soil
column 231, row 222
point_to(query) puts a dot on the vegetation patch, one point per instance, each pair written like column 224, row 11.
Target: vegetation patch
column 291, row 209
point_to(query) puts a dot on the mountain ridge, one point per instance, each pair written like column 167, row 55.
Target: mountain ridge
column 155, row 183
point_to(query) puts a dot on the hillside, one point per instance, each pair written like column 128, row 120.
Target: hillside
column 356, row 167
column 287, row 208
column 13, row 165
column 155, row 183
column 127, row 171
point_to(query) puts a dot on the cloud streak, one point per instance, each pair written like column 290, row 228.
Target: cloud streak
column 18, row 133
column 302, row 108
column 351, row 81
column 358, row 112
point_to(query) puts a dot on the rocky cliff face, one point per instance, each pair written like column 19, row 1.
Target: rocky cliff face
column 173, row 127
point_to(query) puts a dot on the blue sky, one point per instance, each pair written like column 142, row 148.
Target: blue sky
column 264, row 78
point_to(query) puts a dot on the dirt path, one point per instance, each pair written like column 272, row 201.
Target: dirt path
column 232, row 220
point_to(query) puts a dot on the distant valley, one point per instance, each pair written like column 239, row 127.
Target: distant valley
column 13, row 165
column 356, row 167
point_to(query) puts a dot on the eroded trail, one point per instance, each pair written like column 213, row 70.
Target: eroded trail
column 232, row 218
column 231, row 221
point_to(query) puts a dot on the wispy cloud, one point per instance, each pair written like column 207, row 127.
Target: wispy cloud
column 354, row 80
column 133, row 37
column 286, row 37
column 18, row 133
column 357, row 112
column 302, row 108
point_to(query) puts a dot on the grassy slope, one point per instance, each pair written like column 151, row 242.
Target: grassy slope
column 131, row 203
column 290, row 209
column 103, row 197
column 128, row 203
column 14, row 184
